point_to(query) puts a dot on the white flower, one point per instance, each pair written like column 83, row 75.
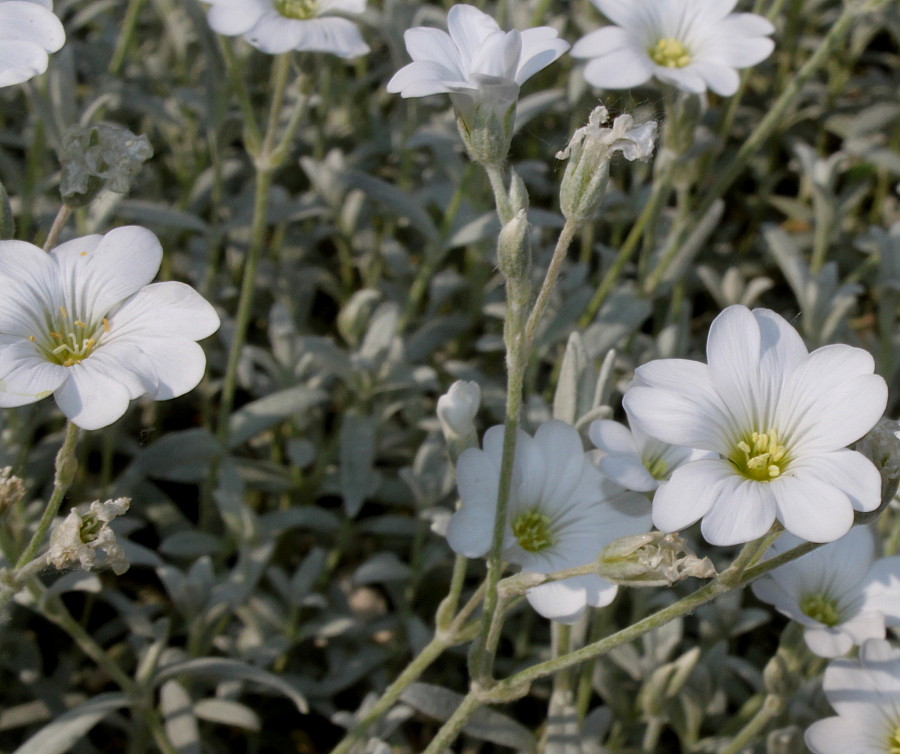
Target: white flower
column 83, row 324
column 28, row 31
column 779, row 418
column 690, row 44
column 561, row 513
column 839, row 593
column 633, row 459
column 276, row 26
column 866, row 697
column 85, row 533
column 475, row 57
column 457, row 407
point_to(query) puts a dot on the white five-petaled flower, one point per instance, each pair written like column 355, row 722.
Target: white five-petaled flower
column 28, row 32
column 277, row 26
column 633, row 459
column 866, row 696
column 779, row 419
column 561, row 513
column 690, row 44
column 83, row 324
column 475, row 55
column 839, row 593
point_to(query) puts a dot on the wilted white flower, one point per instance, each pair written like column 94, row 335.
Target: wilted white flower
column 84, row 535
column 481, row 67
column 561, row 513
column 866, row 696
column 839, row 593
column 589, row 153
column 456, row 409
column 779, row 418
column 276, row 26
column 690, row 44
column 635, row 460
column 28, row 31
column 83, row 324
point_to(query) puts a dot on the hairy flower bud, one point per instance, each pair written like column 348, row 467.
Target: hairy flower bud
column 882, row 447
column 12, row 489
column 514, row 248
column 456, row 410
column 589, row 153
column 486, row 119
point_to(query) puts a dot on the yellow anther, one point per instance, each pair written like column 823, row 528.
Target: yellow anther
column 105, row 324
column 65, row 314
column 774, row 471
column 56, row 335
column 760, row 456
column 669, row 53
column 80, row 323
column 31, row 338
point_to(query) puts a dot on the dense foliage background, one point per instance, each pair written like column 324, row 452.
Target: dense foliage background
column 300, row 541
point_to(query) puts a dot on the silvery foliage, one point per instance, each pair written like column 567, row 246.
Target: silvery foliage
column 281, row 578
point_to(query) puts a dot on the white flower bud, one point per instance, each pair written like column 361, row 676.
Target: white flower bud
column 456, row 409
column 589, row 152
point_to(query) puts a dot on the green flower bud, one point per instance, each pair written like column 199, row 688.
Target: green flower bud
column 486, row 118
column 514, row 248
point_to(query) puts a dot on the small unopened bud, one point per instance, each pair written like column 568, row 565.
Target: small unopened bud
column 589, row 153
column 97, row 157
column 514, row 248
column 85, row 534
column 486, row 118
column 652, row 559
column 456, row 411
column 518, row 194
column 12, row 489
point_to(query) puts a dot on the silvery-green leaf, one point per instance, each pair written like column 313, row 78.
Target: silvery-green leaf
column 261, row 414
column 357, row 454
column 226, row 712
column 59, row 736
column 178, row 717
column 183, row 456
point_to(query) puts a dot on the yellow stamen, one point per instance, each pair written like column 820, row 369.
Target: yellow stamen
column 669, row 53
column 65, row 314
column 760, row 456
column 532, row 529
column 105, row 324
column 80, row 323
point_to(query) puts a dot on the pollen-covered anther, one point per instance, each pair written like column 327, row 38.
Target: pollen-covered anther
column 760, row 456
column 670, row 53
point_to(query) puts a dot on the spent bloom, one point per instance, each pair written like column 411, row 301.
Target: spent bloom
column 589, row 153
column 561, row 513
column 84, row 324
column 690, row 44
column 481, row 67
column 633, row 459
column 28, row 32
column 85, row 534
column 277, row 26
column 865, row 693
column 839, row 593
column 778, row 417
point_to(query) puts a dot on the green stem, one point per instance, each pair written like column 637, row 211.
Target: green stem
column 559, row 254
column 66, row 466
column 252, row 134
column 771, row 707
column 658, row 194
column 761, row 133
column 129, row 24
column 450, row 729
column 431, row 651
column 59, row 223
column 501, row 197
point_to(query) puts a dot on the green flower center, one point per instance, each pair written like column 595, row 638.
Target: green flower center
column 657, row 468
column 669, row 53
column 894, row 742
column 300, row 10
column 760, row 456
column 822, row 608
column 68, row 341
column 532, row 529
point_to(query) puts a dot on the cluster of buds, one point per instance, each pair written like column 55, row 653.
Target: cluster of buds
column 85, row 535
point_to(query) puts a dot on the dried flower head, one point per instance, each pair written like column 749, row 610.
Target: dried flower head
column 85, row 534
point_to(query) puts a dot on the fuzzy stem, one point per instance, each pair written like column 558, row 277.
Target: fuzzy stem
column 66, row 466
column 450, row 729
column 770, row 709
column 559, row 254
column 59, row 223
